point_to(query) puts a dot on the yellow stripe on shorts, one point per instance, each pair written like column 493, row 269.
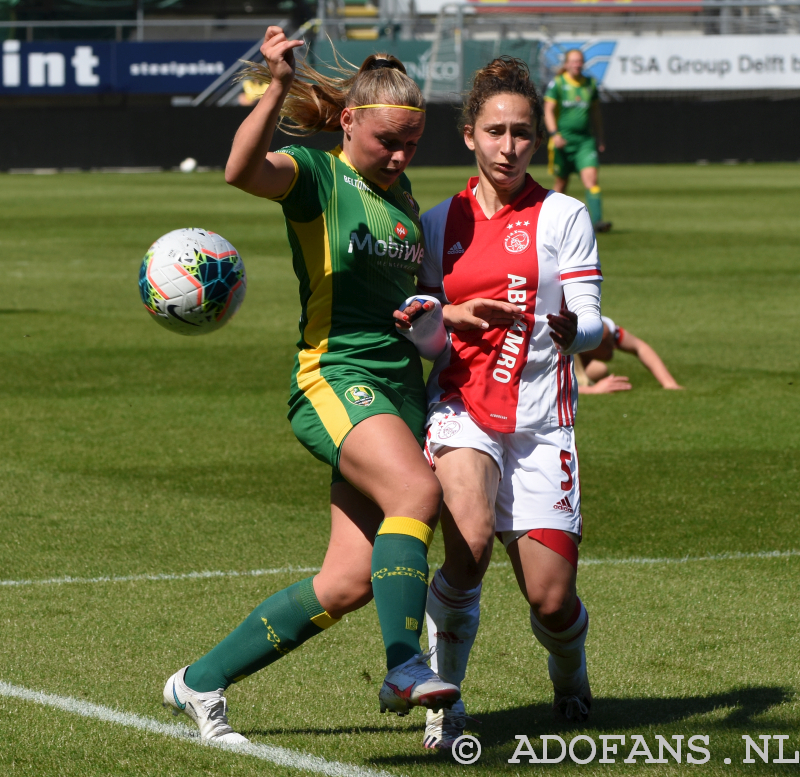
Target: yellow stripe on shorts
column 410, row 526
column 322, row 397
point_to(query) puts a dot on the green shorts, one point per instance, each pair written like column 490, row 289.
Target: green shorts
column 327, row 408
column 579, row 153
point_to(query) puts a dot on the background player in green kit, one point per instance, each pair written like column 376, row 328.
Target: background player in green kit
column 572, row 116
column 357, row 394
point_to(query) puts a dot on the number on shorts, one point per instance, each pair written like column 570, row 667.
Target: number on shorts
column 566, row 458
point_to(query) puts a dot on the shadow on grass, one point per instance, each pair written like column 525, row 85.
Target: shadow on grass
column 609, row 715
column 7, row 311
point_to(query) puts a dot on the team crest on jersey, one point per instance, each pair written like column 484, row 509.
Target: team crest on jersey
column 448, row 429
column 363, row 396
column 412, row 202
column 400, row 231
column 517, row 241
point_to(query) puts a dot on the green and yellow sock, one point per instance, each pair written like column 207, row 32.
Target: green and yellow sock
column 594, row 203
column 400, row 585
column 277, row 626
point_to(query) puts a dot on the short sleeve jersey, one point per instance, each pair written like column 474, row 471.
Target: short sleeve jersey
column 356, row 249
column 509, row 379
column 573, row 103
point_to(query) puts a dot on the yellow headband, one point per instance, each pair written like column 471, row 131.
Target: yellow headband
column 384, row 105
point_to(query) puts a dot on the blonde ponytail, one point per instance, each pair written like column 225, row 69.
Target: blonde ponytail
column 315, row 101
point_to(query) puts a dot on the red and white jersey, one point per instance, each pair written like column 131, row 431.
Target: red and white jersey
column 515, row 378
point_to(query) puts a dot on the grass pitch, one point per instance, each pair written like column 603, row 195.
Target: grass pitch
column 128, row 451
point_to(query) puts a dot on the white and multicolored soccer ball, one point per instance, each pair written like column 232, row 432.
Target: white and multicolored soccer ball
column 192, row 281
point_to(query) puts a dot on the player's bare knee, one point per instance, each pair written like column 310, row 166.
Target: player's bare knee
column 344, row 599
column 426, row 499
column 552, row 605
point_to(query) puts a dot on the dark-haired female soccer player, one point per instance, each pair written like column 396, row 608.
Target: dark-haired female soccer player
column 358, row 398
column 575, row 126
column 516, row 267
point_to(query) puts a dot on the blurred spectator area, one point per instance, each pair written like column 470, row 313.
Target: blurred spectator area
column 159, row 19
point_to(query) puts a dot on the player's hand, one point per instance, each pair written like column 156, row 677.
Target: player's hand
column 558, row 140
column 404, row 318
column 277, row 51
column 611, row 384
column 481, row 314
column 565, row 328
column 601, row 147
column 673, row 387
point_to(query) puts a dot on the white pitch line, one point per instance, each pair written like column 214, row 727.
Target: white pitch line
column 165, row 576
column 764, row 554
column 282, row 756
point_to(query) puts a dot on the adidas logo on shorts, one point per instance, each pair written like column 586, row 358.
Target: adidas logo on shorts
column 456, row 249
column 563, row 504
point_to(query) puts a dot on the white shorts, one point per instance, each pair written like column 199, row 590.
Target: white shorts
column 539, row 477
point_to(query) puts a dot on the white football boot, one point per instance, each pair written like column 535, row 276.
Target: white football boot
column 209, row 710
column 443, row 727
column 415, row 684
column 572, row 704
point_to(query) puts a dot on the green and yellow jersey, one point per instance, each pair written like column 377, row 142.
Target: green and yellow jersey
column 356, row 249
column 574, row 99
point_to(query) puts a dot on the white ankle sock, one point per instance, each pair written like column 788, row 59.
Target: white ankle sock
column 453, row 616
column 566, row 648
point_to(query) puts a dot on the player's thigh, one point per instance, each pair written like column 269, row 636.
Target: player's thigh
column 383, row 459
column 343, row 583
column 468, row 461
column 560, row 163
column 469, row 481
column 355, row 422
column 586, row 160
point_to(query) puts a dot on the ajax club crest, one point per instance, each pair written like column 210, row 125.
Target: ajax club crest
column 517, row 241
column 360, row 395
column 448, row 429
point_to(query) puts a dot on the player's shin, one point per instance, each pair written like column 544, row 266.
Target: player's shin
column 400, row 584
column 566, row 646
column 453, row 618
column 277, row 626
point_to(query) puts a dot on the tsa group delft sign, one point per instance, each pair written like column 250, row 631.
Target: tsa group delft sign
column 699, row 63
column 132, row 67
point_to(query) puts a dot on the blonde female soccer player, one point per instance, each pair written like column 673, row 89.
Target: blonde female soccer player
column 516, row 267
column 575, row 125
column 358, row 398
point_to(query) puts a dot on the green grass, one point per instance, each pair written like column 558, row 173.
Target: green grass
column 126, row 450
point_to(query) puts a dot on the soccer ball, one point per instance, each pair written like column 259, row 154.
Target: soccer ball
column 192, row 281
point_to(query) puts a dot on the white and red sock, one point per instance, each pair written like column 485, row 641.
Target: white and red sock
column 566, row 646
column 453, row 617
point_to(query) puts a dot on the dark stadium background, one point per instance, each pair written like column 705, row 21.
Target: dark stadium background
column 145, row 130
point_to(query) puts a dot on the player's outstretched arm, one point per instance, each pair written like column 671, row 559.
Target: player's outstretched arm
column 250, row 165
column 650, row 359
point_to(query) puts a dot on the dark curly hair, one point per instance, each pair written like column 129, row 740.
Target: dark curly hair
column 504, row 75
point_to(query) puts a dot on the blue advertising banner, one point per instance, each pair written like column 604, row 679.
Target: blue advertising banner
column 58, row 67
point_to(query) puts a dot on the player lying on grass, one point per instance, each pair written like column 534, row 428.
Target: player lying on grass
column 593, row 374
column 502, row 395
column 575, row 126
column 358, row 396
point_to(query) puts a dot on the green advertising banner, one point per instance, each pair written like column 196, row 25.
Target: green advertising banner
column 416, row 55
